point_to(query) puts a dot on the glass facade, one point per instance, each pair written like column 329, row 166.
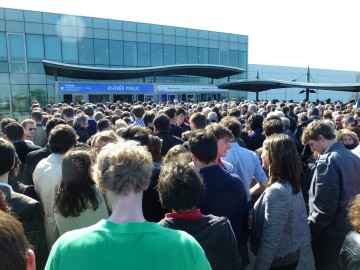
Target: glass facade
column 28, row 37
column 267, row 72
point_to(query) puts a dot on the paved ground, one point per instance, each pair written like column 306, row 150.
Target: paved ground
column 306, row 261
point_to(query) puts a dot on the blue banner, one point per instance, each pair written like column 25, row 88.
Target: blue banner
column 104, row 88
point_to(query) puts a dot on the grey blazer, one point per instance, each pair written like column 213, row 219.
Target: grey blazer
column 280, row 224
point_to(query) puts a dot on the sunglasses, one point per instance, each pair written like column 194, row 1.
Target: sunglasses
column 31, row 129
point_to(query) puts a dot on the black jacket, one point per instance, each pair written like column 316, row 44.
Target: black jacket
column 350, row 252
column 168, row 141
column 215, row 236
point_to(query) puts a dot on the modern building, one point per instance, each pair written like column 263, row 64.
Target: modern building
column 34, row 44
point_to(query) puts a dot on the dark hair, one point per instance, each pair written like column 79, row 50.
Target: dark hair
column 272, row 125
column 103, row 124
column 180, row 110
column 199, row 120
column 52, row 123
column 4, row 122
column 255, row 121
column 180, row 187
column 233, row 124
column 37, row 116
column 137, row 133
column 220, row 131
column 148, row 117
column 234, row 112
column 68, row 111
column 62, row 138
column 13, row 243
column 162, row 122
column 77, row 188
column 313, row 111
column 203, row 144
column 170, row 112
column 88, row 110
column 138, row 111
column 7, row 156
column 14, row 131
column 284, row 161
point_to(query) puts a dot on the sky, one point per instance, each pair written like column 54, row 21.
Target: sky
column 316, row 33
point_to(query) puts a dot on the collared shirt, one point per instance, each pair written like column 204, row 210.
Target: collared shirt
column 193, row 215
column 138, row 122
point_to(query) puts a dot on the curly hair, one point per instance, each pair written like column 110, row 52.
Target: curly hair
column 77, row 188
column 354, row 213
column 123, row 168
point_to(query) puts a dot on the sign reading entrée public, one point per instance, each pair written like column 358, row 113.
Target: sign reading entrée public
column 104, row 87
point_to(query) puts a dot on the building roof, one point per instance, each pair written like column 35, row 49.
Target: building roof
column 258, row 85
column 97, row 73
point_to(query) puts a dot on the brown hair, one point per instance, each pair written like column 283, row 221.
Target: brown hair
column 354, row 213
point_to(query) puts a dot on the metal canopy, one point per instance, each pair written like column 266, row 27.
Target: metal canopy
column 96, row 73
column 258, row 85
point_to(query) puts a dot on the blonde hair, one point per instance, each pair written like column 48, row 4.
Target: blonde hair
column 342, row 132
column 124, row 167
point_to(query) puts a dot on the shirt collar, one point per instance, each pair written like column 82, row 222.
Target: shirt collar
column 193, row 215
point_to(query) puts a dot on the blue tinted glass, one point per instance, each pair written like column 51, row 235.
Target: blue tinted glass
column 33, row 28
column 157, row 55
column 100, row 23
column 14, row 15
column 169, row 30
column 85, row 32
column 39, row 93
column 181, row 55
column 242, row 60
column 52, row 48
column 203, row 34
column 15, row 26
column 142, row 37
column 101, row 49
column 51, row 29
column 33, row 16
column 70, row 50
column 214, row 44
column 169, row 55
column 4, row 68
column 129, row 26
column 192, row 55
column 214, row 35
column 214, row 56
column 84, row 22
column 2, row 25
column 203, row 55
column 35, row 48
column 115, row 25
column 224, row 36
column 2, row 16
column 20, row 97
column 169, row 40
column 224, row 57
column 86, row 51
column 192, row 33
column 37, row 79
column 180, row 32
column 69, row 20
column 156, row 29
column 129, row 36
column 116, row 53
column 234, row 58
column 224, row 45
column 68, row 31
column 51, row 18
column 3, row 50
column 143, row 54
column 16, row 47
column 181, row 41
column 156, row 38
column 101, row 33
column 35, row 68
column 130, row 54
column 143, row 27
column 115, row 35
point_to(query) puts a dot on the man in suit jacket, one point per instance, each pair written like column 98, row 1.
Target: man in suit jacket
column 27, row 210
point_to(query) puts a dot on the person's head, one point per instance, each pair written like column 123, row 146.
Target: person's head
column 286, row 123
column 174, row 152
column 123, row 168
column 52, row 123
column 272, row 125
column 62, row 138
column 138, row 111
column 29, row 127
column 212, row 117
column 280, row 152
column 4, row 122
column 89, row 110
column 203, row 146
column 120, row 123
column 337, row 119
column 252, row 108
column 68, row 113
column 255, row 121
column 171, row 112
column 233, row 124
column 137, row 133
column 81, row 120
column 181, row 114
column 348, row 138
column 76, row 189
column 37, row 116
column 103, row 124
column 16, row 253
column 14, row 131
column 98, row 115
column 148, row 118
column 162, row 122
column 348, row 121
column 318, row 135
column 223, row 136
column 313, row 111
column 180, row 187
column 198, row 121
column 354, row 213
column 7, row 156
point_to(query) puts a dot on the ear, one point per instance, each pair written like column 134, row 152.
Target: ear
column 146, row 187
column 194, row 158
column 321, row 138
column 30, row 261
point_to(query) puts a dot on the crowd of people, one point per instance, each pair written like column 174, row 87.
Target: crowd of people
column 181, row 185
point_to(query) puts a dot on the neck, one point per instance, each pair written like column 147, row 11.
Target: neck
column 4, row 178
column 201, row 165
column 329, row 143
column 126, row 208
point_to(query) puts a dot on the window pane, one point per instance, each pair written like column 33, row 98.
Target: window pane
column 116, row 53
column 169, row 54
column 234, row 58
column 130, row 54
column 70, row 50
column 4, row 98
column 86, row 52
column 3, row 50
column 52, row 48
column 203, row 55
column 192, row 55
column 38, row 92
column 35, row 48
column 180, row 55
column 17, row 53
column 214, row 56
column 101, row 49
column 157, row 55
column 224, row 58
column 20, row 98
column 143, row 54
